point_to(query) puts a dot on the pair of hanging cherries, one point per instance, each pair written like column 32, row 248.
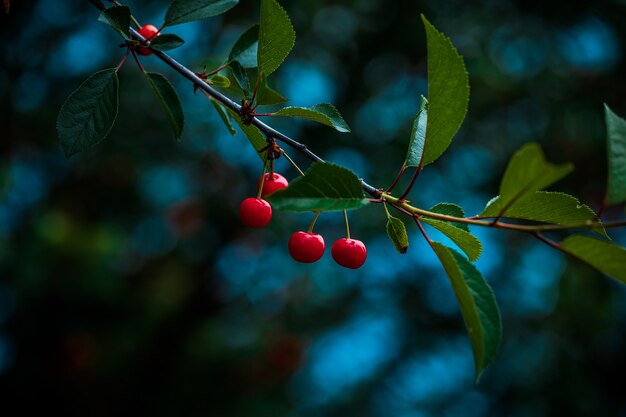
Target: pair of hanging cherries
column 305, row 247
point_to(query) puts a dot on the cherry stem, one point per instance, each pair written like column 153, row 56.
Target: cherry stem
column 291, row 161
column 317, row 214
column 216, row 70
column 412, row 183
column 345, row 218
column 260, row 192
column 138, row 63
column 123, row 60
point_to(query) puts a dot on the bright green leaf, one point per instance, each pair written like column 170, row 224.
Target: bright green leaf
column 118, row 18
column 182, row 11
column 478, row 305
column 166, row 41
column 221, row 111
column 448, row 93
column 418, row 137
column 219, row 81
column 252, row 133
column 89, row 112
column 616, row 150
column 246, row 48
column 527, row 172
column 604, row 256
column 547, row 207
column 324, row 187
column 450, row 209
column 169, row 101
column 322, row 113
column 276, row 37
column 241, row 77
column 396, row 230
column 464, row 240
column 267, row 96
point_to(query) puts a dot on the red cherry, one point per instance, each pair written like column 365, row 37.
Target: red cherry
column 148, row 32
column 306, row 247
column 278, row 182
column 350, row 253
column 255, row 212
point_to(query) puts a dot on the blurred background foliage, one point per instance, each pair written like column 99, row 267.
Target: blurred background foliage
column 128, row 285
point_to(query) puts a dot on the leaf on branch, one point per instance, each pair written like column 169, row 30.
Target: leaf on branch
column 448, row 93
column 396, row 230
column 182, row 11
column 166, row 42
column 169, row 101
column 219, row 81
column 548, row 207
column 616, row 150
column 464, row 240
column 221, row 111
column 267, row 96
column 322, row 113
column 241, row 77
column 478, row 305
column 527, row 172
column 324, row 187
column 450, row 209
column 604, row 256
column 118, row 18
column 89, row 112
column 246, row 48
column 276, row 37
column 415, row 152
column 252, row 133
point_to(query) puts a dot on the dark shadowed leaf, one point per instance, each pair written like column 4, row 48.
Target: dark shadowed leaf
column 616, row 150
column 89, row 112
column 181, row 11
column 276, row 37
column 241, row 77
column 266, row 95
column 322, row 113
column 118, row 18
column 324, row 187
column 252, row 133
column 166, row 41
column 169, row 101
column 448, row 93
column 221, row 111
column 246, row 48
column 478, row 305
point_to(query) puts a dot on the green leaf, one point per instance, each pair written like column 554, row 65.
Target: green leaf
column 169, row 101
column 246, row 48
column 221, row 111
column 252, row 133
column 478, row 305
column 182, row 11
column 616, row 150
column 89, row 112
column 219, row 81
column 118, row 18
column 324, row 187
column 527, row 172
column 241, row 77
column 604, row 256
column 418, row 137
column 166, row 41
column 267, row 96
column 396, row 230
column 547, row 207
column 323, row 113
column 464, row 240
column 448, row 93
column 450, row 209
column 276, row 37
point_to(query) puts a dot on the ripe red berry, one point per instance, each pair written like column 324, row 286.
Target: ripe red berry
column 277, row 182
column 306, row 247
column 148, row 32
column 255, row 212
column 350, row 253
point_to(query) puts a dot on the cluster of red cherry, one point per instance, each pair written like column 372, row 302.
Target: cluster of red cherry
column 305, row 247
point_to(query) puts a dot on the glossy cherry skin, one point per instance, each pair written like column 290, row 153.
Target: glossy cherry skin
column 306, row 247
column 255, row 212
column 278, row 182
column 148, row 32
column 350, row 253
